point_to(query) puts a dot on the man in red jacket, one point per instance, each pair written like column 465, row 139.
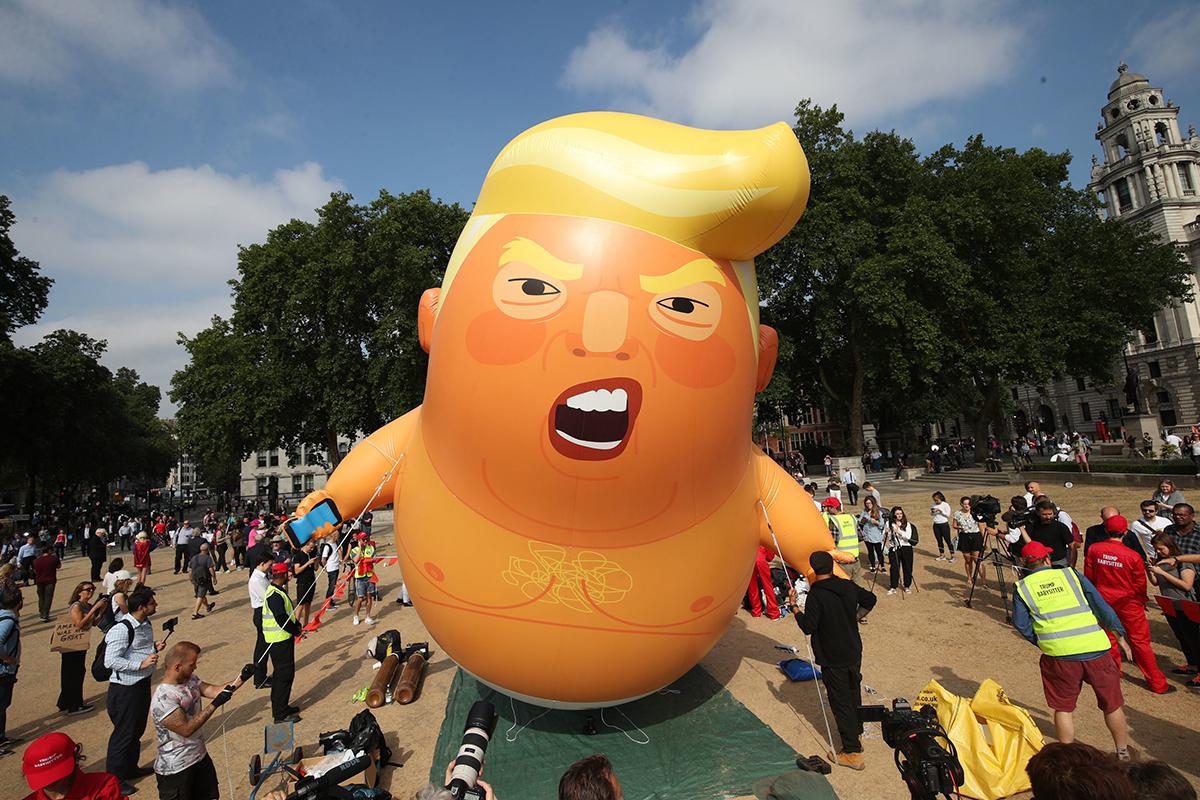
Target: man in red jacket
column 762, row 572
column 1120, row 576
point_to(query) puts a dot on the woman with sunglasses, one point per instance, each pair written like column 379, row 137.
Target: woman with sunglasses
column 84, row 613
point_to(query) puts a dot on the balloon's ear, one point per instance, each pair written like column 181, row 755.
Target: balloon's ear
column 426, row 311
column 768, row 351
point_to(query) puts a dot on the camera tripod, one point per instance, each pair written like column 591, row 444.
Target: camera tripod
column 999, row 561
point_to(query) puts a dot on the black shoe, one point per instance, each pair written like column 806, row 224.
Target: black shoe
column 288, row 718
column 213, row 591
column 10, row 741
column 266, row 684
column 293, row 709
column 126, row 788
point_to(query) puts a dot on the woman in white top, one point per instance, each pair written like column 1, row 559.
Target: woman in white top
column 899, row 539
column 120, row 598
column 939, row 511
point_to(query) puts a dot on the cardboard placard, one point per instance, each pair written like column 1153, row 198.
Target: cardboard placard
column 66, row 638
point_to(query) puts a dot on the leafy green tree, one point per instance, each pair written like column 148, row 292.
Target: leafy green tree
column 24, row 292
column 322, row 341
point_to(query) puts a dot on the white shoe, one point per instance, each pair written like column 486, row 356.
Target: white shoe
column 950, row 559
column 940, row 558
column 370, row 620
column 356, row 620
column 891, row 591
column 906, row 591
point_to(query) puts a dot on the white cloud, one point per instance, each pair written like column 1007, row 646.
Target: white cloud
column 131, row 242
column 49, row 43
column 176, row 227
column 753, row 61
column 1166, row 47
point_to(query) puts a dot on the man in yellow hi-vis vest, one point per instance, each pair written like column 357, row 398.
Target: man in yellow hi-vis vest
column 279, row 629
column 844, row 531
column 362, row 557
column 1064, row 615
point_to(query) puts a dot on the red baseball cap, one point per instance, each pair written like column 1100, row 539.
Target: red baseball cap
column 831, row 502
column 1035, row 551
column 279, row 569
column 1116, row 524
column 48, row 759
column 360, row 535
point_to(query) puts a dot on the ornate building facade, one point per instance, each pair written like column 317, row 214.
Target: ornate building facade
column 1149, row 170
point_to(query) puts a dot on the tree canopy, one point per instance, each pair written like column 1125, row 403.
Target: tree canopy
column 322, row 340
column 916, row 288
column 24, row 291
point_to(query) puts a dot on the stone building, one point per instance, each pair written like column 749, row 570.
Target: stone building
column 1149, row 170
column 269, row 476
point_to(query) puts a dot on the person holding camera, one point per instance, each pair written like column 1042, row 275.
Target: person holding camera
column 131, row 652
column 830, row 615
column 183, row 768
column 1062, row 613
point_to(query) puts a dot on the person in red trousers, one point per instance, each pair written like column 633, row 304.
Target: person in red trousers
column 762, row 573
column 1120, row 576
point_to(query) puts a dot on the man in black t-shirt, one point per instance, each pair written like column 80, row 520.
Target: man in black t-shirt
column 1046, row 529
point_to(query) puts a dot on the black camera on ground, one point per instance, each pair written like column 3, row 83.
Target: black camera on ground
column 481, row 724
column 928, row 767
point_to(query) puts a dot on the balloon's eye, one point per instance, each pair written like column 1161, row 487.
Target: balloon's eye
column 681, row 305
column 534, row 287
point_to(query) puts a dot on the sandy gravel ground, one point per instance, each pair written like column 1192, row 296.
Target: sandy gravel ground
column 928, row 634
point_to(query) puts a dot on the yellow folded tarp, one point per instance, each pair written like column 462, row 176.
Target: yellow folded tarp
column 995, row 739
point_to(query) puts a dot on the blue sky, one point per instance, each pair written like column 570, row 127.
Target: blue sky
column 143, row 141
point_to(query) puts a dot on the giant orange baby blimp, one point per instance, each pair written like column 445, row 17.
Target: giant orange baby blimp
column 578, row 503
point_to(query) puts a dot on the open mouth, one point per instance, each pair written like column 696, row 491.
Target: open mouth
column 592, row 421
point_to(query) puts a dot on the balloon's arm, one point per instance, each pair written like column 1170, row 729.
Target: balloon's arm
column 788, row 511
column 354, row 486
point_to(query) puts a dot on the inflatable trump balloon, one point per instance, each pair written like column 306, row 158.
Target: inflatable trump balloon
column 578, row 503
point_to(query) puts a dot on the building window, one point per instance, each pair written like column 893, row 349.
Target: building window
column 1185, row 178
column 308, row 482
column 1155, row 369
column 1167, row 415
column 795, row 437
column 261, row 458
column 1164, row 397
column 1114, row 408
column 274, row 456
column 297, row 484
column 1016, row 395
column 1085, row 411
column 1124, row 199
column 1151, row 333
column 343, row 448
column 293, row 460
column 1162, row 134
column 1079, row 385
column 261, row 484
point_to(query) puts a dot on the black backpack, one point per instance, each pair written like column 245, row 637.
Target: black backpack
column 108, row 617
column 100, row 672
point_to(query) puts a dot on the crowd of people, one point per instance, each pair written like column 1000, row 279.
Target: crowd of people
column 122, row 604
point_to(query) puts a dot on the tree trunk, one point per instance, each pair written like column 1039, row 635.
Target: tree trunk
column 31, row 498
column 982, row 419
column 331, row 444
column 854, row 439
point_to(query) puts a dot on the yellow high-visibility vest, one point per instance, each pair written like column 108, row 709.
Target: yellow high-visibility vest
column 272, row 629
column 847, row 538
column 1062, row 620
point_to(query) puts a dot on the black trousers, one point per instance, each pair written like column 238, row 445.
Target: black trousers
column 197, row 782
column 941, row 532
column 260, row 650
column 222, row 564
column 1188, row 634
column 852, row 491
column 875, row 553
column 332, row 586
column 843, row 687
column 898, row 559
column 181, row 557
column 283, row 672
column 6, row 692
column 97, row 567
column 70, row 680
column 128, row 708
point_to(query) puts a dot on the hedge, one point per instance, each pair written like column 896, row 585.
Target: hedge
column 1130, row 467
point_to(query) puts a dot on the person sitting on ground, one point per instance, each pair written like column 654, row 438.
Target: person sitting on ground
column 1158, row 780
column 183, row 767
column 590, row 778
column 51, row 768
column 1077, row 771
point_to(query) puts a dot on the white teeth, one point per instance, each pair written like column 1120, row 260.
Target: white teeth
column 586, row 443
column 600, row 400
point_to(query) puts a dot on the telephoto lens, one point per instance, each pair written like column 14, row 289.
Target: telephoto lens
column 481, row 724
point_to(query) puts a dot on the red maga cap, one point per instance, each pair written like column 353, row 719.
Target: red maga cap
column 48, row 759
column 1116, row 524
column 279, row 569
column 831, row 502
column 1035, row 551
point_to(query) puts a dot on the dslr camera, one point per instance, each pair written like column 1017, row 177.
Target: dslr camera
column 481, row 724
column 928, row 767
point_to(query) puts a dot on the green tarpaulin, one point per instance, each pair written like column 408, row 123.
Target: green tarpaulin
column 699, row 743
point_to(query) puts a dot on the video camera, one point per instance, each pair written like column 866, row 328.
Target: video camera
column 927, row 767
column 985, row 508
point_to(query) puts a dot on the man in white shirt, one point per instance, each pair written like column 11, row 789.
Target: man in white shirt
column 1174, row 441
column 1032, row 490
column 331, row 560
column 125, row 534
column 181, row 538
column 1147, row 525
column 257, row 587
